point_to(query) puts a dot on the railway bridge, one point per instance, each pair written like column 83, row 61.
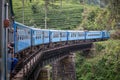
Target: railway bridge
column 60, row 58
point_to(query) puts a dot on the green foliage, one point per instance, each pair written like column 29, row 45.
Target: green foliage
column 114, row 8
column 91, row 16
column 67, row 17
column 71, row 15
column 99, row 47
column 105, row 67
column 35, row 8
column 95, row 18
column 116, row 34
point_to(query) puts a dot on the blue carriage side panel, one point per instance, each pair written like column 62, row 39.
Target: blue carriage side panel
column 85, row 34
column 37, row 36
column 94, row 35
column 23, row 37
column 46, row 36
column 67, row 35
column 72, row 35
column 32, row 39
column 15, row 43
column 50, row 36
column 102, row 34
column 106, row 34
column 55, row 35
column 63, row 35
column 81, row 35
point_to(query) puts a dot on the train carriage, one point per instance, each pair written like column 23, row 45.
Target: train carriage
column 46, row 36
column 37, row 37
column 63, row 35
column 22, row 37
column 93, row 35
column 105, row 34
column 81, row 35
column 40, row 36
column 54, row 35
column 72, row 35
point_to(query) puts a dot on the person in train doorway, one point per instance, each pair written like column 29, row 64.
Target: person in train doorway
column 12, row 60
column 14, row 63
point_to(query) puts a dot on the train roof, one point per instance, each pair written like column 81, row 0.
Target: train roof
column 93, row 31
column 74, row 31
column 40, row 29
column 21, row 25
column 54, row 30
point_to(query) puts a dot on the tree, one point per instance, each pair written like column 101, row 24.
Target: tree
column 46, row 11
column 115, row 9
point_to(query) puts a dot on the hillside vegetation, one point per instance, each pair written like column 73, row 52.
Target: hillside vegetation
column 102, row 64
column 69, row 15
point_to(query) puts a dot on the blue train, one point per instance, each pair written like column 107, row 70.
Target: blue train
column 26, row 37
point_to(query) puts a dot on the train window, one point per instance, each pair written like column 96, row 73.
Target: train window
column 103, row 33
column 26, row 36
column 20, row 37
column 46, row 35
column 37, row 34
column 17, row 37
column 73, row 34
column 94, row 35
column 81, row 34
column 55, row 34
column 36, row 37
column 40, row 36
column 63, row 34
column 28, row 32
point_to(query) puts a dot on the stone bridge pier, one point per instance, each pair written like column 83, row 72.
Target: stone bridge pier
column 64, row 69
column 44, row 74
